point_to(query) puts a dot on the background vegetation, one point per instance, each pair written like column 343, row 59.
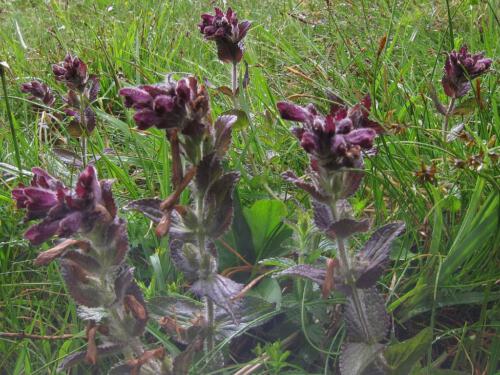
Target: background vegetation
column 445, row 272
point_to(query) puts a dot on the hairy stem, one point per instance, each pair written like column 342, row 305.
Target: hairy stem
column 345, row 263
column 447, row 117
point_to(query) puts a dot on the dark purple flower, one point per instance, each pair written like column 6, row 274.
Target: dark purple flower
column 335, row 140
column 183, row 105
column 72, row 71
column 460, row 68
column 64, row 211
column 40, row 91
column 227, row 33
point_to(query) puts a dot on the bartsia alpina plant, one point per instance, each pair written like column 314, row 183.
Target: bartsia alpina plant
column 92, row 255
column 182, row 109
column 226, row 32
column 337, row 144
column 82, row 91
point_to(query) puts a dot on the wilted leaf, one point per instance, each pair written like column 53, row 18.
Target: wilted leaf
column 455, row 132
column 373, row 307
column 358, row 358
column 372, row 259
column 103, row 351
column 465, row 107
column 95, row 314
column 183, row 361
column 225, row 90
column 68, row 157
column 150, row 207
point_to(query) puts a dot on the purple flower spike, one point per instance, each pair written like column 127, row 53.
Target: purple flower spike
column 63, row 211
column 183, row 105
column 39, row 91
column 460, row 68
column 336, row 140
column 72, row 71
column 227, row 33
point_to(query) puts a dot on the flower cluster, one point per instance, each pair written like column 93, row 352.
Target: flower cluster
column 224, row 29
column 83, row 90
column 92, row 260
column 336, row 140
column 64, row 211
column 460, row 68
column 39, row 91
column 71, row 71
column 182, row 105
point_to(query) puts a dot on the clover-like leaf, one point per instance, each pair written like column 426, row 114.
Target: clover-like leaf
column 372, row 259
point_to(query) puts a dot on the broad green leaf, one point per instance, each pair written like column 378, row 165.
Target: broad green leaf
column 265, row 219
column 402, row 356
column 243, row 120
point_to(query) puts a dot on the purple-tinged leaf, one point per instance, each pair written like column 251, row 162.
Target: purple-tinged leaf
column 57, row 251
column 184, row 360
column 346, row 227
column 150, row 207
column 124, row 278
column 307, row 271
column 373, row 306
column 68, row 157
column 223, row 130
column 221, row 291
column 246, row 76
column 219, row 205
column 323, row 216
column 307, row 187
column 208, row 171
column 372, row 259
column 79, row 285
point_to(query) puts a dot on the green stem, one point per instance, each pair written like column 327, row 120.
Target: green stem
column 11, row 121
column 234, row 83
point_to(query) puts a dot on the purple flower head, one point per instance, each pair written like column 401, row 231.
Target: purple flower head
column 460, row 68
column 72, row 71
column 40, row 91
column 183, row 104
column 336, row 140
column 227, row 33
column 64, row 211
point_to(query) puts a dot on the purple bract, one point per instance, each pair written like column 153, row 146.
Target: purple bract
column 224, row 29
column 460, row 68
column 335, row 140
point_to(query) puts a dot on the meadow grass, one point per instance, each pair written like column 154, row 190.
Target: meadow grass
column 446, row 270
